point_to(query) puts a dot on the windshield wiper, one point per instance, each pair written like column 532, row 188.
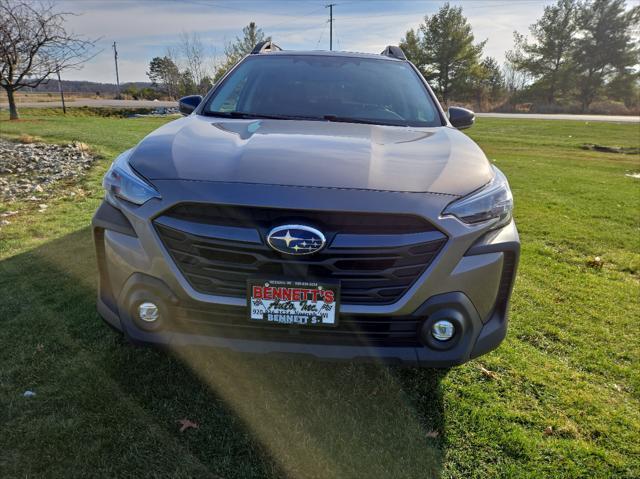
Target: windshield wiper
column 250, row 116
column 333, row 118
column 348, row 119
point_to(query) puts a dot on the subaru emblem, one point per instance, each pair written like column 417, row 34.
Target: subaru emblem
column 296, row 239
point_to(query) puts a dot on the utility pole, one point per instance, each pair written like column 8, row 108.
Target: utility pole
column 330, row 6
column 64, row 107
column 115, row 57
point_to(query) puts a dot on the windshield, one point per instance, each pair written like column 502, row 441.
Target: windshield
column 330, row 88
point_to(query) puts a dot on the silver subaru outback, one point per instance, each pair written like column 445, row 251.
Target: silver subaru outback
column 312, row 203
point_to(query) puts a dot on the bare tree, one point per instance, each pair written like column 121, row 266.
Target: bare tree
column 515, row 80
column 34, row 45
column 195, row 56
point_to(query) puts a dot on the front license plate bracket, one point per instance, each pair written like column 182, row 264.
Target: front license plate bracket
column 293, row 302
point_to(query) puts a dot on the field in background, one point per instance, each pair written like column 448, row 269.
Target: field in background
column 40, row 99
column 560, row 398
column 43, row 97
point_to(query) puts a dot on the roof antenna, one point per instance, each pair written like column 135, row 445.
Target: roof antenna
column 265, row 47
column 394, row 52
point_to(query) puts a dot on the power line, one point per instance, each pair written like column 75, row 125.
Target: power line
column 226, row 6
column 294, row 31
column 294, row 17
column 465, row 8
column 316, row 10
column 321, row 35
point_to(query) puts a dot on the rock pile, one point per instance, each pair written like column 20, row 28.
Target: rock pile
column 28, row 170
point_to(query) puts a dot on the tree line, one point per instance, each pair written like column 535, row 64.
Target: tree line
column 578, row 53
column 184, row 69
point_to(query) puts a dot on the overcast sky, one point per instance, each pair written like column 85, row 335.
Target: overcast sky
column 145, row 28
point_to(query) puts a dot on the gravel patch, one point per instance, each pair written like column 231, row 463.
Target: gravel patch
column 30, row 170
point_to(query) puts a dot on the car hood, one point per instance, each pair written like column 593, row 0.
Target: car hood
column 313, row 154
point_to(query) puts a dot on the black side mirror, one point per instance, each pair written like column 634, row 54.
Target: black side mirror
column 461, row 118
column 187, row 104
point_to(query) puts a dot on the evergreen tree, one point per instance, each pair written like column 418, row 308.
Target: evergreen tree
column 411, row 45
column 625, row 87
column 605, row 46
column 164, row 73
column 548, row 58
column 234, row 51
column 187, row 83
column 447, row 54
column 492, row 80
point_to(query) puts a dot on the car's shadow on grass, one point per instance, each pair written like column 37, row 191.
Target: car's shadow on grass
column 256, row 416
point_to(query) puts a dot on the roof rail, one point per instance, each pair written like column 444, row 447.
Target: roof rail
column 265, row 47
column 394, row 52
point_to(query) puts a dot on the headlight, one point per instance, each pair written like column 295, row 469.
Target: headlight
column 123, row 182
column 494, row 202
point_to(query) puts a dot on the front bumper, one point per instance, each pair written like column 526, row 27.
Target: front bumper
column 471, row 278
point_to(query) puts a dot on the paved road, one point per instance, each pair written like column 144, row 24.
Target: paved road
column 155, row 104
column 562, row 116
column 95, row 104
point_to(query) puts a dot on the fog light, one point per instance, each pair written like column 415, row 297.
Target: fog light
column 443, row 330
column 148, row 312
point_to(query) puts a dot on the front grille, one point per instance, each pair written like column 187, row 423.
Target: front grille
column 337, row 222
column 377, row 274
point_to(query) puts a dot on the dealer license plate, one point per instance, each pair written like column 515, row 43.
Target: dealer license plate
column 303, row 303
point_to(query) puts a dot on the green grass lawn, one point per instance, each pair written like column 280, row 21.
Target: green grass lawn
column 564, row 399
